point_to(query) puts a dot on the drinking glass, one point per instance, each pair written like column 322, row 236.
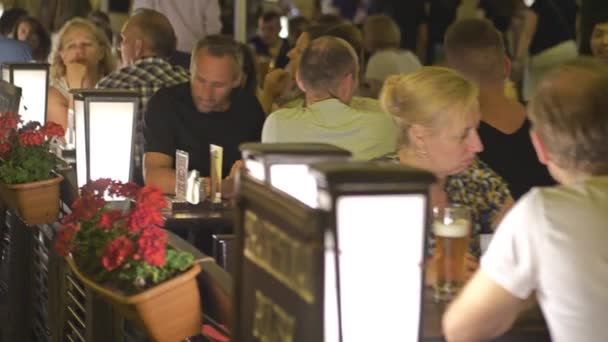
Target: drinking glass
column 452, row 230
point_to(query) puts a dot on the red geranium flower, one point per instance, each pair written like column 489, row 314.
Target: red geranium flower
column 125, row 249
column 144, row 217
column 116, row 252
column 108, row 218
column 63, row 241
column 4, row 132
column 5, row 148
column 96, row 188
column 123, row 189
column 84, row 208
column 69, row 218
column 51, row 129
column 151, row 244
column 30, row 137
column 9, row 120
column 150, row 196
column 129, row 189
column 26, row 150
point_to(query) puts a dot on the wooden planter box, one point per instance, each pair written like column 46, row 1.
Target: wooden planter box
column 35, row 202
column 170, row 311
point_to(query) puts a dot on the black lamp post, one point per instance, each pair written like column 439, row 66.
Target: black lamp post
column 379, row 214
column 349, row 269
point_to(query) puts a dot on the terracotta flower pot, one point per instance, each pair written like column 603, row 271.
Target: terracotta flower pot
column 35, row 202
column 170, row 311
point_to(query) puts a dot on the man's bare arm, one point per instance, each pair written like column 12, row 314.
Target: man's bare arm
column 159, row 171
column 482, row 311
column 506, row 206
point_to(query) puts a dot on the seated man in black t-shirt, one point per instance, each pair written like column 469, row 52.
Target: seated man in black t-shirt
column 210, row 109
column 475, row 48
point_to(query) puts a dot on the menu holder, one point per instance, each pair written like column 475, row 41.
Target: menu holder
column 194, row 187
column 216, row 155
column 181, row 175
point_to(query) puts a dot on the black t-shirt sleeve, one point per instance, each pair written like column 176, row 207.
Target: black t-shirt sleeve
column 248, row 111
column 159, row 132
column 258, row 120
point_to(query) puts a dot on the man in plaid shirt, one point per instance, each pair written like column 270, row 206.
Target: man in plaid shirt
column 147, row 42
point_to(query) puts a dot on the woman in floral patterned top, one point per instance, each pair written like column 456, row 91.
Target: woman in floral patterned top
column 437, row 112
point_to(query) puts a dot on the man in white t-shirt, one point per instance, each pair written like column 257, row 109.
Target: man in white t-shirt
column 552, row 245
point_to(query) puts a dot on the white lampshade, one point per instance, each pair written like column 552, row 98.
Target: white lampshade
column 33, row 79
column 285, row 166
column 380, row 217
column 105, row 125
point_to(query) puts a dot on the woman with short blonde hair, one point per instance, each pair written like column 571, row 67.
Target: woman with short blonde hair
column 382, row 38
column 423, row 97
column 437, row 112
column 381, row 32
column 81, row 56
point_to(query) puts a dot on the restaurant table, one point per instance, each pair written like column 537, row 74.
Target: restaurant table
column 198, row 223
column 530, row 326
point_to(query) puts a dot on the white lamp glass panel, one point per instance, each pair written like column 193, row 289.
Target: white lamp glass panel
column 6, row 74
column 70, row 131
column 284, row 32
column 33, row 89
column 110, row 139
column 255, row 169
column 81, row 144
column 396, row 286
column 296, row 181
column 331, row 320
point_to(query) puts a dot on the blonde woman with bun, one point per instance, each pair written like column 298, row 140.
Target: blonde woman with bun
column 81, row 56
column 437, row 113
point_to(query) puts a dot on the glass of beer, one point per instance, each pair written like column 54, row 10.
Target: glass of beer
column 452, row 229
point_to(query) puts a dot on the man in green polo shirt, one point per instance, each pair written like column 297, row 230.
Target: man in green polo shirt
column 328, row 75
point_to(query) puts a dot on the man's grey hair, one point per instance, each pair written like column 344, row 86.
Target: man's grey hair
column 220, row 46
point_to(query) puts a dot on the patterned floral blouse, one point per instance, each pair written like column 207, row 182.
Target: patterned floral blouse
column 479, row 188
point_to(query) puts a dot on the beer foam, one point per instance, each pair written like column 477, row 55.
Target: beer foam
column 458, row 228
